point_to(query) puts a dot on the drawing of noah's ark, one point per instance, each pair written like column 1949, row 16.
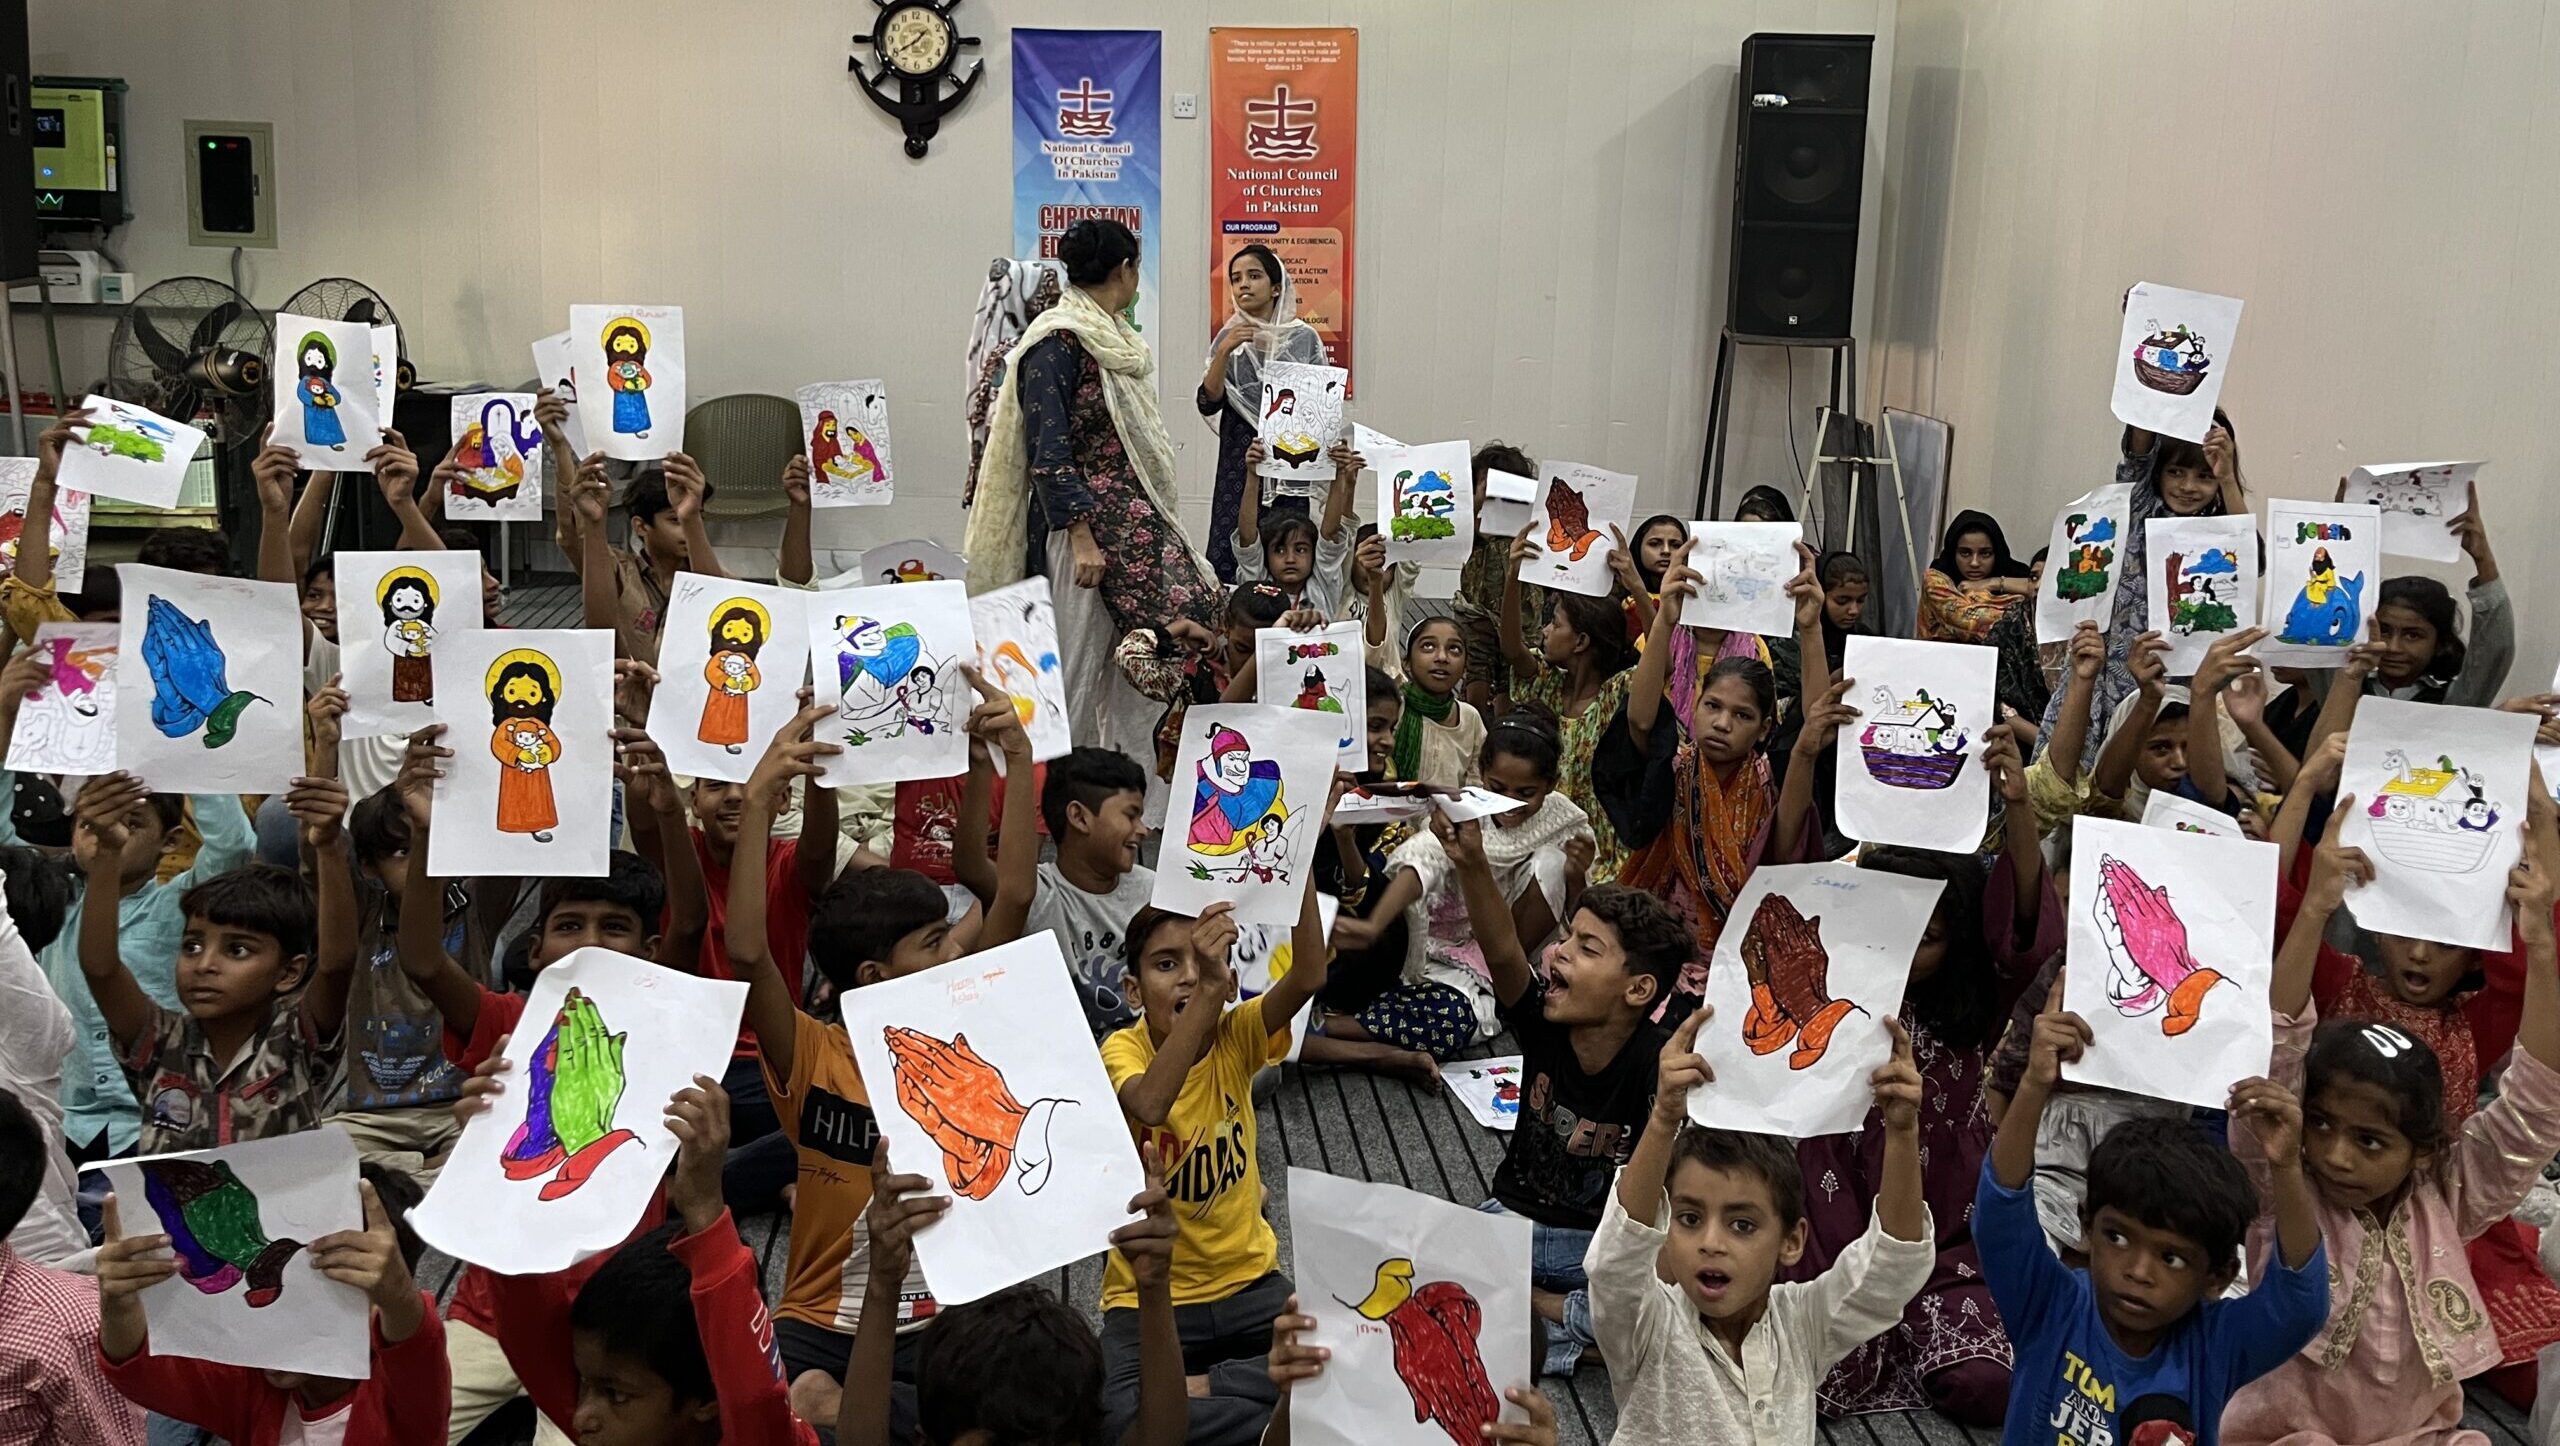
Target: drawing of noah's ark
column 2432, row 818
column 1912, row 742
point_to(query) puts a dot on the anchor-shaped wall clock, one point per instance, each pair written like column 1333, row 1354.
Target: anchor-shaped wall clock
column 916, row 44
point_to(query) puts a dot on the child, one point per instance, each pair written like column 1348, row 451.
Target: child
column 1972, row 583
column 2416, row 649
column 1587, row 1052
column 255, row 1052
column 1701, row 1344
column 1310, row 561
column 1292, row 1363
column 1184, row 1075
column 401, row 1403
column 625, row 589
column 1439, row 734
column 51, row 1385
column 1182, row 663
column 1094, row 803
column 2145, row 1328
column 1369, row 961
column 1578, row 673
column 1482, row 579
column 1844, row 605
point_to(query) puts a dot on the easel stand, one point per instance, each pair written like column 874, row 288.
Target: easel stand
column 1843, row 399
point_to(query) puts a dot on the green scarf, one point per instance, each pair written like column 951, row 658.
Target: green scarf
column 1419, row 708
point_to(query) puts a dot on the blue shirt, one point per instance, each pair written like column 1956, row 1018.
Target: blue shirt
column 2072, row 1385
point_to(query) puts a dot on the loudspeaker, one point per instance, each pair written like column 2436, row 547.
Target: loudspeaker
column 18, row 235
column 1798, row 173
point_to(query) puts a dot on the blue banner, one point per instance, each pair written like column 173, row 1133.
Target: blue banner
column 1088, row 127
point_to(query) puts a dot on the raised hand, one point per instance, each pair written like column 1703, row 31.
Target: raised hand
column 793, row 753
column 319, row 807
column 686, row 486
column 2000, row 757
column 1148, row 1244
column 1680, row 581
column 1896, row 1082
column 1825, row 718
column 369, row 1259
column 104, row 811
column 899, row 1208
column 1806, row 588
column 634, row 684
column 420, row 767
column 1622, row 563
column 51, row 441
column 1681, row 1069
column 996, row 722
column 795, row 480
column 1213, row 942
column 2088, row 650
column 2149, row 664
column 642, row 767
column 2272, row 1113
column 2060, row 1037
column 1291, row 1360
column 273, row 471
column 395, row 469
column 698, row 1116
column 1538, row 1430
column 590, row 492
column 551, row 414
column 2334, row 865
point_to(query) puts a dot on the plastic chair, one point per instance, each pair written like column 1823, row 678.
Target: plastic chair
column 742, row 442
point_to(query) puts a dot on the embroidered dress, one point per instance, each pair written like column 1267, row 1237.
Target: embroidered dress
column 1581, row 737
column 1081, row 472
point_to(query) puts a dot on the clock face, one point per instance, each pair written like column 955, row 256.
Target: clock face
column 915, row 39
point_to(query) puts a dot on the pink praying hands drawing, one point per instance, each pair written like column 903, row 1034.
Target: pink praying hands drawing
column 2147, row 958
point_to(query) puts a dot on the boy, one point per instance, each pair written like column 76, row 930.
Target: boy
column 1311, row 562
column 401, row 1403
column 1701, row 1344
column 626, row 589
column 1094, row 802
column 51, row 1386
column 1184, row 1075
column 255, row 1051
column 2163, row 1221
column 1480, row 582
column 1588, row 1051
column 401, row 1084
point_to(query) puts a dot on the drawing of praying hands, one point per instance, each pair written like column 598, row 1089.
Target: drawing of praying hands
column 577, row 1082
column 2147, row 950
column 1790, row 984
column 963, row 1103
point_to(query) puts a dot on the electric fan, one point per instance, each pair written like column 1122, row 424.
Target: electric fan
column 194, row 349
column 343, row 298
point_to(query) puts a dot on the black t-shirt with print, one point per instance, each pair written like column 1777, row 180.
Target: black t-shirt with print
column 1575, row 1128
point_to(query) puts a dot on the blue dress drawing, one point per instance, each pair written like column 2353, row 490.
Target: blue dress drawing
column 317, row 361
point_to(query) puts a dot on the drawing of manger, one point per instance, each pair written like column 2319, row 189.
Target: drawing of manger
column 1790, row 970
column 495, row 452
column 890, row 684
column 1434, row 1330
column 964, row 1104
column 1239, row 813
column 2147, row 959
column 211, row 1219
column 576, row 1082
column 1913, row 742
column 2437, row 818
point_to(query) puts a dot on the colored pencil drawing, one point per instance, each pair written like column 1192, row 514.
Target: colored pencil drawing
column 739, row 627
column 574, row 1083
column 214, row 1229
column 2172, row 360
column 1729, row 573
column 1791, row 1001
column 2089, row 569
column 1913, row 742
column 2148, row 964
column 13, row 527
column 890, row 684
column 134, row 435
column 1570, row 535
column 316, row 360
column 1434, row 1330
column 2328, row 610
column 844, row 429
column 2202, row 586
column 2440, row 819
column 626, row 373
column 1301, row 417
column 524, row 693
column 498, row 452
column 407, row 597
column 189, row 684
column 1426, row 505
column 1239, row 814
column 842, row 454
column 960, row 1100
column 68, row 726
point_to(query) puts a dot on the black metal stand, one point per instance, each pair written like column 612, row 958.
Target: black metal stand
column 1844, row 400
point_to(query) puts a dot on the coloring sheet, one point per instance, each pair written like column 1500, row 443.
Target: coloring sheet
column 2440, row 801
column 1908, row 772
column 2204, row 582
column 2185, row 815
column 1380, row 803
column 1369, row 442
column 1424, row 1306
column 1017, row 632
column 529, row 717
column 1249, row 793
column 1510, row 501
column 1471, row 803
column 1801, row 994
column 630, row 360
column 1301, row 418
column 68, row 726
column 498, row 445
column 66, row 534
column 560, row 1167
column 210, row 669
column 2324, row 571
column 2418, row 501
column 1744, row 569
column 392, row 609
column 2080, row 572
column 714, row 719
column 1427, row 497
column 2172, row 358
column 1264, row 952
column 887, row 660
column 385, row 353
column 240, row 1221
column 130, row 454
column 2546, row 755
column 555, row 367
column 1488, row 1088
column 986, row 1082
column 1578, row 506
column 2171, row 948
column 1322, row 671
column 327, row 406
column 911, row 559
column 846, row 425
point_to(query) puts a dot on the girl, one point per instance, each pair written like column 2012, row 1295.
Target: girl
column 1578, row 674
column 1264, row 328
column 1540, row 853
column 1764, row 504
column 1439, row 734
column 1310, row 560
column 2415, row 649
column 1639, row 565
column 1351, row 865
column 1972, row 583
column 1844, row 604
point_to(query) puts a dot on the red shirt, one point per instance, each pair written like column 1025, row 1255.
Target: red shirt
column 786, row 920
column 406, row 1401
column 928, row 820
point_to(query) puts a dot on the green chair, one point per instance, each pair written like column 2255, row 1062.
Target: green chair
column 742, row 442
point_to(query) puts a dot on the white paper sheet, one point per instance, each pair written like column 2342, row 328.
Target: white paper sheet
column 1427, row 503
column 909, row 559
column 630, row 365
column 2324, row 577
column 2418, row 500
column 555, row 366
column 1017, row 633
column 68, row 726
column 2172, row 358
column 1488, row 1088
column 1424, row 1305
column 251, row 1296
column 210, row 671
column 1249, row 792
column 1382, row 805
column 2185, row 815
column 393, row 609
column 1910, row 771
column 327, row 407
column 560, row 1167
column 1744, row 568
column 1323, row 671
column 714, row 718
column 987, row 1084
column 1510, row 502
column 2440, row 798
column 2547, row 756
column 499, row 446
column 1471, row 803
column 887, row 660
column 1801, row 993
column 66, row 534
column 1301, row 419
column 129, row 453
column 844, row 431
column 2170, row 951
column 1369, row 441
column 1578, row 504
column 2080, row 572
column 529, row 789
column 1264, row 952
column 2204, row 582
column 385, row 357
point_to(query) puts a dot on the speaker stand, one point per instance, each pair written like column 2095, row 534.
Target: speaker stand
column 1844, row 399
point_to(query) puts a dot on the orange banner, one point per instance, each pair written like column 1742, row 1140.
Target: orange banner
column 1284, row 131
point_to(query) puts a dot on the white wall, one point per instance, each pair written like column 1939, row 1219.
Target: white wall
column 1542, row 212
column 2377, row 181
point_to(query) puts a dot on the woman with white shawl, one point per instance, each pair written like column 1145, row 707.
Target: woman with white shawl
column 1264, row 328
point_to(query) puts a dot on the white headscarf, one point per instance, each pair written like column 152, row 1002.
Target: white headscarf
column 1283, row 338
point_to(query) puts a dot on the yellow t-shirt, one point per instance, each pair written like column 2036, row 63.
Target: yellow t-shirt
column 826, row 1114
column 1207, row 1145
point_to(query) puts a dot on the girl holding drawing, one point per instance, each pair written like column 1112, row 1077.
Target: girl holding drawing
column 524, row 690
column 1439, row 733
column 1264, row 328
column 1578, row 673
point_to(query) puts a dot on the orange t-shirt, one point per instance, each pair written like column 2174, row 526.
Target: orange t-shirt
column 826, row 1114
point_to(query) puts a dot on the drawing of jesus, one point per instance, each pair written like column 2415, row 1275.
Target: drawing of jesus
column 524, row 690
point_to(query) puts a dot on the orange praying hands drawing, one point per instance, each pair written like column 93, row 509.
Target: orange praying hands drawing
column 1790, row 984
column 963, row 1103
column 524, row 690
